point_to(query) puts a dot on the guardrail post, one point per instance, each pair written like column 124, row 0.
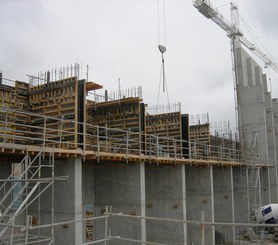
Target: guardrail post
column 150, row 147
column 203, row 228
column 157, row 146
column 44, row 132
column 61, row 132
column 5, row 128
column 140, row 142
column 12, row 231
column 195, row 150
column 189, row 149
column 106, row 224
column 98, row 146
column 175, row 149
column 127, row 142
column 106, row 138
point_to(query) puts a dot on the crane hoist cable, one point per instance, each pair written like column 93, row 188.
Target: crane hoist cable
column 162, row 49
column 163, row 28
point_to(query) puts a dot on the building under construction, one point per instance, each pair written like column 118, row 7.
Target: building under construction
column 107, row 169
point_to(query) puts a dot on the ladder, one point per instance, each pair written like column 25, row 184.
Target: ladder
column 89, row 225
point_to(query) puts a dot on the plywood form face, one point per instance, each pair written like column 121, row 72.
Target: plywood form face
column 57, row 99
column 167, row 127
column 223, row 149
column 200, row 140
column 15, row 98
column 125, row 116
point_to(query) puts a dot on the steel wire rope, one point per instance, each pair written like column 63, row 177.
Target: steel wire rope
column 162, row 76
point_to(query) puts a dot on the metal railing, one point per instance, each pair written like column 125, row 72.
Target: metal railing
column 233, row 233
column 40, row 130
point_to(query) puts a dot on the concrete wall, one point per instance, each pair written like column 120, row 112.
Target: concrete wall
column 251, row 99
column 174, row 192
column 68, row 202
column 256, row 119
column 4, row 174
column 240, row 202
column 275, row 131
column 88, row 195
column 224, row 203
column 199, row 197
column 121, row 186
column 272, row 154
column 165, row 198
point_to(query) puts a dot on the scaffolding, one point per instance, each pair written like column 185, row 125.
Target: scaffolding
column 20, row 202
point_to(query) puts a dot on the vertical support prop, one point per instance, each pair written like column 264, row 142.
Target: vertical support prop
column 5, row 128
column 106, row 225
column 203, row 228
column 127, row 144
column 44, row 133
column 98, row 147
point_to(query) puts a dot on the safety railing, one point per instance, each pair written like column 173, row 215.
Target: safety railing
column 199, row 230
column 40, row 130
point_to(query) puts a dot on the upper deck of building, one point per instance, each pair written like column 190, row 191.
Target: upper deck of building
column 57, row 117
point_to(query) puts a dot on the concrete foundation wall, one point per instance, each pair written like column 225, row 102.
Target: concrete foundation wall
column 6, row 170
column 240, row 195
column 224, row 203
column 123, row 188
column 175, row 192
column 199, row 197
column 165, row 198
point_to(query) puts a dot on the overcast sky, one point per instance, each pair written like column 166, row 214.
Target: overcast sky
column 119, row 39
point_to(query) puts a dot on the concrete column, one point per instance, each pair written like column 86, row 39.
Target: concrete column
column 68, row 202
column 165, row 198
column 122, row 187
column 224, row 204
column 200, row 197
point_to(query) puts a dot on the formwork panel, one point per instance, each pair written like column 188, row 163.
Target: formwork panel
column 166, row 128
column 125, row 116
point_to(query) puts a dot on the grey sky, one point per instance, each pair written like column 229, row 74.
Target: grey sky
column 119, row 38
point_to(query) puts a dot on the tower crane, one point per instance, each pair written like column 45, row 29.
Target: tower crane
column 232, row 28
column 235, row 34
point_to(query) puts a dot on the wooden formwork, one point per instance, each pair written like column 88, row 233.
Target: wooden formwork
column 125, row 115
column 14, row 98
column 57, row 99
column 204, row 145
column 224, row 148
column 199, row 136
column 63, row 104
column 167, row 128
